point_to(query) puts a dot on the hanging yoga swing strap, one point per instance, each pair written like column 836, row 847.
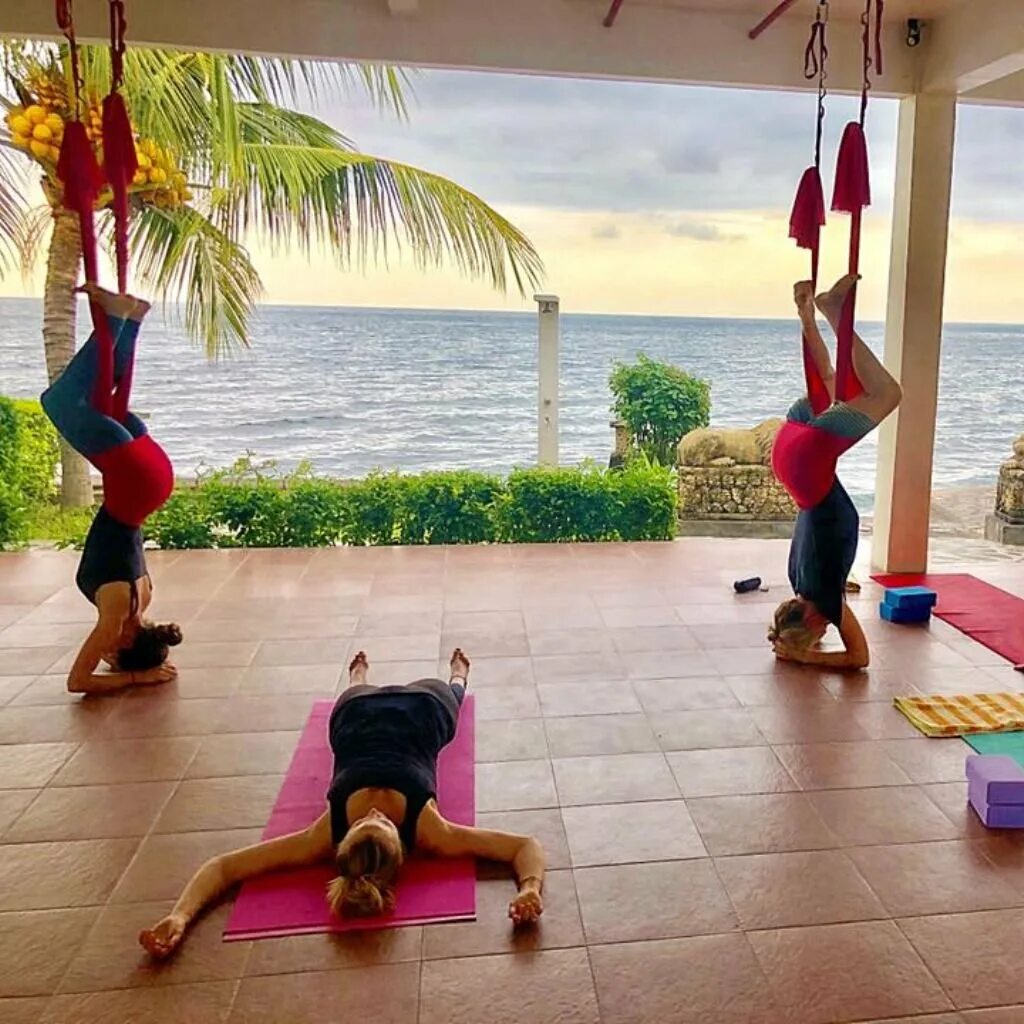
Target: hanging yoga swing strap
column 83, row 180
column 808, row 215
column 852, row 193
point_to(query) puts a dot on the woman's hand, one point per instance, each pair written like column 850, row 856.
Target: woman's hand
column 164, row 938
column 527, row 907
column 165, row 673
column 784, row 653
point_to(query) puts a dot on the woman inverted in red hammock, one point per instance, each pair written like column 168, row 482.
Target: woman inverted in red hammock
column 137, row 480
column 804, row 458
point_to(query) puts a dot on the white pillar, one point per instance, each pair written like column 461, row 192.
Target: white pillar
column 913, row 330
column 547, row 379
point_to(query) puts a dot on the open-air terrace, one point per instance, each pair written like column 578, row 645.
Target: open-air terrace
column 730, row 839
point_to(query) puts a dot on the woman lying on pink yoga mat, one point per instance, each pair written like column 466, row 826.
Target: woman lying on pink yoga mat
column 380, row 805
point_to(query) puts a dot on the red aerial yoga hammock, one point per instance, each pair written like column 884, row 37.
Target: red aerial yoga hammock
column 804, row 457
column 137, row 475
column 82, row 179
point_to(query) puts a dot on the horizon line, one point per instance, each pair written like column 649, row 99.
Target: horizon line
column 628, row 314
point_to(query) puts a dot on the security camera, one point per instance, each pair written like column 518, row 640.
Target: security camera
column 913, row 32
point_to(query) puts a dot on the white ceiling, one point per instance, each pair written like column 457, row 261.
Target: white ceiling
column 900, row 9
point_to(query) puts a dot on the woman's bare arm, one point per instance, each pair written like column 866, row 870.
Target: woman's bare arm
column 523, row 854
column 220, row 873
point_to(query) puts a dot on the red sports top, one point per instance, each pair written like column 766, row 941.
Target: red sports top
column 137, row 479
column 804, row 459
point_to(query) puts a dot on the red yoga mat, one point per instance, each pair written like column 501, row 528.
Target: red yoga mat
column 983, row 612
column 429, row 889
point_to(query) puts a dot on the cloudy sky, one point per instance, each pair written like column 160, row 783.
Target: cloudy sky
column 663, row 199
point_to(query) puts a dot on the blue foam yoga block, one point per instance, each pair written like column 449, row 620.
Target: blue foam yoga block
column 904, row 616
column 910, row 597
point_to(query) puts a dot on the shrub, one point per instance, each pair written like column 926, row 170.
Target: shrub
column 38, row 452
column 371, row 509
column 645, row 500
column 659, row 403
column 13, row 516
column 253, row 506
column 448, row 508
column 28, row 464
column 548, row 504
column 316, row 513
column 183, row 522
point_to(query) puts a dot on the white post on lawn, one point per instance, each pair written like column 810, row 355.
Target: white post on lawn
column 913, row 330
column 547, row 379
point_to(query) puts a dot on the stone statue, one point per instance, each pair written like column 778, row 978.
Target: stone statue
column 722, row 446
column 1010, row 491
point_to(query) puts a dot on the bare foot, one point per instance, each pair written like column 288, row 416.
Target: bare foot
column 357, row 669
column 165, row 937
column 831, row 302
column 141, row 309
column 803, row 296
column 122, row 307
column 460, row 665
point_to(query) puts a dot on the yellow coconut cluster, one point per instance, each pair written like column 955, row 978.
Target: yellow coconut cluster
column 158, row 178
column 38, row 128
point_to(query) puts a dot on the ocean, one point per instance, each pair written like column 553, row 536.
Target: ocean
column 355, row 389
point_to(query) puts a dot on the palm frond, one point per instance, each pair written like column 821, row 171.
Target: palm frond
column 34, row 231
column 13, row 207
column 184, row 256
column 359, row 206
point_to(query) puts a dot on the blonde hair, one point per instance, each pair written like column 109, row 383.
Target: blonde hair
column 789, row 625
column 365, row 886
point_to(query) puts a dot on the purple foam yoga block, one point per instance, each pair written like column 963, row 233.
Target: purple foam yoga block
column 1000, row 779
column 999, row 815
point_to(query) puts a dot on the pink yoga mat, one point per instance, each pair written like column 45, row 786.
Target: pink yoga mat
column 429, row 890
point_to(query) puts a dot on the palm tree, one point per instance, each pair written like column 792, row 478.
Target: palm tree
column 222, row 156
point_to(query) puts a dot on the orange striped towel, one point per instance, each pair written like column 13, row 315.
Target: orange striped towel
column 964, row 713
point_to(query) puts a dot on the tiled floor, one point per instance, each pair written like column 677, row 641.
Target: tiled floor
column 731, row 841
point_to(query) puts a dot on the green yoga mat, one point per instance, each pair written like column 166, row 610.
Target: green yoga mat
column 1010, row 743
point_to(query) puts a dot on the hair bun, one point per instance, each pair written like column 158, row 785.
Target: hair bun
column 169, row 633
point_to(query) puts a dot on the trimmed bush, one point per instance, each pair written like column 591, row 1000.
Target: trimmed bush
column 659, row 403
column 29, row 454
column 250, row 506
column 448, row 508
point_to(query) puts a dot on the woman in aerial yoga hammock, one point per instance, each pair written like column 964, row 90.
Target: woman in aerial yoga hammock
column 380, row 807
column 137, row 480
column 841, row 406
column 804, row 459
column 88, row 404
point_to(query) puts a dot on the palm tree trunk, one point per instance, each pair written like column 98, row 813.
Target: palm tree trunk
column 59, row 315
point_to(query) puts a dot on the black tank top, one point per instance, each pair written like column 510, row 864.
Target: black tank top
column 388, row 737
column 112, row 554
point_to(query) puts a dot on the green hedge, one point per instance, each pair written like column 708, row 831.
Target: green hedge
column 251, row 506
column 29, row 453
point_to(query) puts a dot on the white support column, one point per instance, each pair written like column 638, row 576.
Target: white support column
column 913, row 330
column 547, row 379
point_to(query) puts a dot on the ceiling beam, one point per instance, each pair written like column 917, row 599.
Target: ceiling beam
column 559, row 37
column 1004, row 92
column 977, row 43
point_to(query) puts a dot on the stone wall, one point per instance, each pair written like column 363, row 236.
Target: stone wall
column 732, row 492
